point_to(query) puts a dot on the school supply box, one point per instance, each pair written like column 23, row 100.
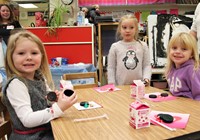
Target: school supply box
column 139, row 115
column 137, row 89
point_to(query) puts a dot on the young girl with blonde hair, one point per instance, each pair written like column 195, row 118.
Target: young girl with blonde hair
column 29, row 81
column 128, row 58
column 182, row 70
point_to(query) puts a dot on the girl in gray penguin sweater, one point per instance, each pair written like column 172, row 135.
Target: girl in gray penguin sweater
column 129, row 58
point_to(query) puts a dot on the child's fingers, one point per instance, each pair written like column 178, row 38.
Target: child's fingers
column 73, row 98
column 57, row 92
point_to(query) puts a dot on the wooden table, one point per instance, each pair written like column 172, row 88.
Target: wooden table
column 116, row 106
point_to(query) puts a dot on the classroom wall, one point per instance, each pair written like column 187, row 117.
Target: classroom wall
column 4, row 1
column 67, row 18
column 70, row 18
column 182, row 8
column 27, row 16
column 26, row 19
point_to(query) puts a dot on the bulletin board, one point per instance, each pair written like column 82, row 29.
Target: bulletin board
column 101, row 2
column 160, row 29
column 122, row 2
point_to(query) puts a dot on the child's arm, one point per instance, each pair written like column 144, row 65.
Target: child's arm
column 195, row 85
column 147, row 70
column 20, row 100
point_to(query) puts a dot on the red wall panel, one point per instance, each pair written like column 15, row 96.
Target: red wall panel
column 67, row 34
column 75, row 53
column 74, row 43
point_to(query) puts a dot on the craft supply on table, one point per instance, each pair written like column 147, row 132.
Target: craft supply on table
column 139, row 114
column 92, row 118
column 137, row 89
column 180, row 120
column 159, row 97
column 106, row 88
column 84, row 105
column 163, row 125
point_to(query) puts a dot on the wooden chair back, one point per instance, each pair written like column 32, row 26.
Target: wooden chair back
column 5, row 124
column 73, row 76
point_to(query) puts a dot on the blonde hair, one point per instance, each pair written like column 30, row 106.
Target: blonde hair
column 135, row 22
column 9, row 64
column 189, row 42
column 85, row 9
column 96, row 6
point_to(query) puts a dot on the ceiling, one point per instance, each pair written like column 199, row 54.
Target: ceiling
column 41, row 4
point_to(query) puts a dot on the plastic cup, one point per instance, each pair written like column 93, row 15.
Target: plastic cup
column 59, row 59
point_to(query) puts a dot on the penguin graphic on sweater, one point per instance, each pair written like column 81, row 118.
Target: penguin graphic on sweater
column 130, row 60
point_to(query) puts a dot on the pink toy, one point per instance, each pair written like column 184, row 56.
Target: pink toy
column 139, row 115
column 39, row 19
column 137, row 89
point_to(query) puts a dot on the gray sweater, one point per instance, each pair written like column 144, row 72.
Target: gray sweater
column 128, row 61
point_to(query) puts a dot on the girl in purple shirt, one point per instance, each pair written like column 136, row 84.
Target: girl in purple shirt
column 182, row 69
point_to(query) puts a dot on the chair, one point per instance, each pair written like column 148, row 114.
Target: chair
column 73, row 76
column 5, row 126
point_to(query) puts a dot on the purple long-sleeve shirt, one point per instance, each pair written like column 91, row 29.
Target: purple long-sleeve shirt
column 185, row 81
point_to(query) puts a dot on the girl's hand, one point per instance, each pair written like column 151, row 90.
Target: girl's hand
column 65, row 102
column 146, row 82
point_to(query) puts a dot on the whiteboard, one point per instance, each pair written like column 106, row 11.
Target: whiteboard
column 158, row 50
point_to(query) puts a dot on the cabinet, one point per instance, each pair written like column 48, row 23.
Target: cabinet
column 106, row 36
column 73, row 42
